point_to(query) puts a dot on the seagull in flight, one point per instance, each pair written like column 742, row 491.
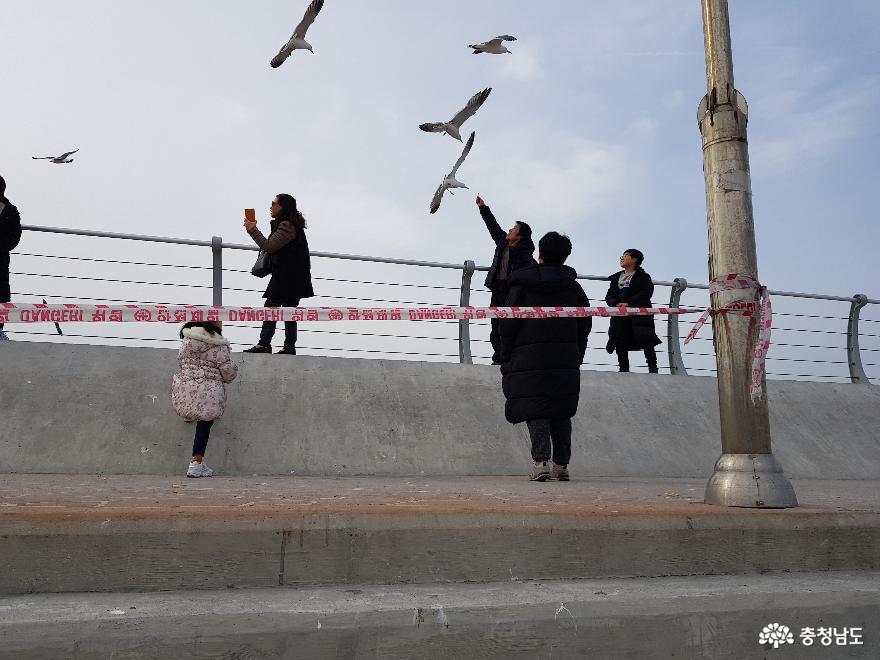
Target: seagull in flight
column 449, row 181
column 298, row 39
column 58, row 160
column 452, row 126
column 492, row 46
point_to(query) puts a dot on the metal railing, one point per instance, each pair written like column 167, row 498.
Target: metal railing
column 675, row 355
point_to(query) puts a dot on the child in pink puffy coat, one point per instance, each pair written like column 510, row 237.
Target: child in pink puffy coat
column 198, row 390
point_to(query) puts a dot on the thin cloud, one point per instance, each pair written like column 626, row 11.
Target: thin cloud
column 559, row 178
column 523, row 65
column 817, row 124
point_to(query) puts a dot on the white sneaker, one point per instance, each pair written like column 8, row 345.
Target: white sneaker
column 4, row 336
column 199, row 470
column 540, row 472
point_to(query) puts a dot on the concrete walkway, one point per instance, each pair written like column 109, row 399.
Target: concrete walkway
column 35, row 497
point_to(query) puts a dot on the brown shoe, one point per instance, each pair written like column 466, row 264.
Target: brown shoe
column 559, row 472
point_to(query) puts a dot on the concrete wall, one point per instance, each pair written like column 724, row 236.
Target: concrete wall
column 94, row 409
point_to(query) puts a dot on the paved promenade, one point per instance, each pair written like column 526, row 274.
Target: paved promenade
column 36, row 498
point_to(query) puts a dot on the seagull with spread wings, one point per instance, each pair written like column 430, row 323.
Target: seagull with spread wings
column 298, row 39
column 452, row 126
column 58, row 160
column 492, row 46
column 449, row 181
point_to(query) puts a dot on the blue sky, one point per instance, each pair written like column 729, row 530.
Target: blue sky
column 591, row 127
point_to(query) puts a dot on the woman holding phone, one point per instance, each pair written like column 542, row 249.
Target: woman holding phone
column 291, row 278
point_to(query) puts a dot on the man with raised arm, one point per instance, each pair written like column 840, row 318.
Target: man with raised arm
column 513, row 250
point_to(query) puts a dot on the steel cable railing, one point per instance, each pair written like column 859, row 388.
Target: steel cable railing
column 339, row 288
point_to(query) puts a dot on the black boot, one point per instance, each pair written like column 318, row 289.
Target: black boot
column 651, row 359
column 622, row 361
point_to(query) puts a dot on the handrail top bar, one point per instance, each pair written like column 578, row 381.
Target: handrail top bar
column 790, row 294
column 232, row 246
column 108, row 234
column 815, row 296
column 387, row 260
column 357, row 257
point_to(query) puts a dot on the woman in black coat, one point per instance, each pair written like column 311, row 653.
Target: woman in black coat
column 291, row 278
column 10, row 234
column 631, row 287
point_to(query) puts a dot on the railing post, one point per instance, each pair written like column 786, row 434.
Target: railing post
column 217, row 252
column 464, row 329
column 673, row 341
column 853, row 355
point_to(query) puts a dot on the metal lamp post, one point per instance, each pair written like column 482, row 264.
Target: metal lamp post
column 747, row 474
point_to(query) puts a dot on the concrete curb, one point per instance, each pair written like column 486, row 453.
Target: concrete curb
column 693, row 617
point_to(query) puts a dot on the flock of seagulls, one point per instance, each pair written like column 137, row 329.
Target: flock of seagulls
column 451, row 128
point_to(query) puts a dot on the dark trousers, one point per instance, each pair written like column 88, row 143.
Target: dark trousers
column 268, row 329
column 200, row 443
column 650, row 358
column 550, row 434
column 499, row 297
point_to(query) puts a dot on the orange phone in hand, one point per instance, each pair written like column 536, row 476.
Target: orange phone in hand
column 250, row 215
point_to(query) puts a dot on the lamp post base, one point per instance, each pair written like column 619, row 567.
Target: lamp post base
column 750, row 480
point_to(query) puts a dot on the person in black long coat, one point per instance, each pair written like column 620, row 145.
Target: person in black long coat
column 10, row 235
column 291, row 278
column 541, row 358
column 631, row 287
column 513, row 250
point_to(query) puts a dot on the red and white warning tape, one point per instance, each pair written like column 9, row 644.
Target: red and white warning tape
column 755, row 298
column 75, row 313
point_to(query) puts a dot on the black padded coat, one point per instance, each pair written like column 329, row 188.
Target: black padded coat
column 541, row 358
column 631, row 333
column 10, row 235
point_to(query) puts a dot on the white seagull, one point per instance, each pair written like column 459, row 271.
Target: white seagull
column 452, row 126
column 449, row 181
column 58, row 160
column 492, row 46
column 298, row 39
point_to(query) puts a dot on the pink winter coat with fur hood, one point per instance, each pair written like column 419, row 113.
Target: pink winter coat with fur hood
column 198, row 390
